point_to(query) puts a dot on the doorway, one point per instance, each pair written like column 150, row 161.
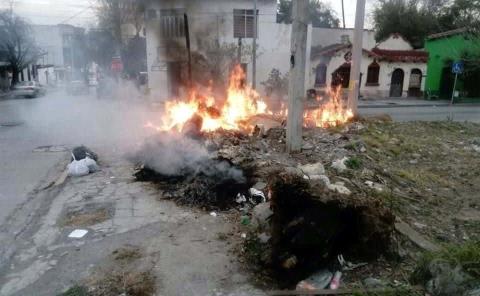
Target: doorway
column 415, row 84
column 396, row 86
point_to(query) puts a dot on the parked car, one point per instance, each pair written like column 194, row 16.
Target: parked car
column 29, row 89
column 77, row 87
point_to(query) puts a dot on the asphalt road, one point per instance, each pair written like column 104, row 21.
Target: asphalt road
column 431, row 113
column 57, row 119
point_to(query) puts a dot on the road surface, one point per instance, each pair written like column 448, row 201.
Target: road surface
column 59, row 120
column 431, row 113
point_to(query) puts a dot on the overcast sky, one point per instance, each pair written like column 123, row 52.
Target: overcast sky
column 82, row 12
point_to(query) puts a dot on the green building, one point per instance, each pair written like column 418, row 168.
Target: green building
column 445, row 48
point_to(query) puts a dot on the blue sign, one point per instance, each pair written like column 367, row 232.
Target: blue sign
column 457, row 67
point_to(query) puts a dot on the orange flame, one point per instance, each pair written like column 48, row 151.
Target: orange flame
column 241, row 104
column 332, row 113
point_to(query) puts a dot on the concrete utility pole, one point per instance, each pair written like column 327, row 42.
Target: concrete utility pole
column 357, row 48
column 343, row 14
column 254, row 49
column 296, row 87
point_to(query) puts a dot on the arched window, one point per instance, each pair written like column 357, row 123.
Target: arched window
column 373, row 73
column 321, row 75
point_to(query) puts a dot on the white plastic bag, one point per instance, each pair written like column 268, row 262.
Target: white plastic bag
column 91, row 164
column 78, row 168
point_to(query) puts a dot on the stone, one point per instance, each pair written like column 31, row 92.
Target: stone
column 294, row 171
column 339, row 164
column 376, row 186
column 340, row 188
column 263, row 237
column 307, row 146
column 312, row 169
column 324, row 179
column 374, row 283
column 260, row 216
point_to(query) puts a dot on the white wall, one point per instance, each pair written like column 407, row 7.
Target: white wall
column 394, row 42
column 385, row 76
column 213, row 19
column 49, row 39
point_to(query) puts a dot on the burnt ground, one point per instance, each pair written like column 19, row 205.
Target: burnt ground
column 425, row 173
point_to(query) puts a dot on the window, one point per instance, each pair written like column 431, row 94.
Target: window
column 321, row 75
column 373, row 73
column 243, row 23
column 172, row 23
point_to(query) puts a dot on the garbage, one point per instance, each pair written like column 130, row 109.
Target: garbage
column 82, row 167
column 245, row 220
column 312, row 169
column 213, row 214
column 374, row 283
column 317, row 281
column 240, row 198
column 243, row 235
column 335, row 283
column 261, row 215
column 256, row 196
column 81, row 152
column 78, row 233
column 78, row 168
column 340, row 165
column 348, row 265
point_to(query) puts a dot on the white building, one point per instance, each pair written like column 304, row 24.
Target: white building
column 216, row 26
column 390, row 68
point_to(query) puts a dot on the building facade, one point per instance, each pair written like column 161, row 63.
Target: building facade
column 216, row 28
column 443, row 49
column 390, row 68
column 62, row 53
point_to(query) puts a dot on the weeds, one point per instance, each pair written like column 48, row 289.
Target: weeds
column 353, row 163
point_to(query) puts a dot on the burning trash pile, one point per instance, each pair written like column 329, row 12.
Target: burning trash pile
column 214, row 155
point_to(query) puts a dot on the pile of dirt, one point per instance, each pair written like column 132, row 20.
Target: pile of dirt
column 312, row 225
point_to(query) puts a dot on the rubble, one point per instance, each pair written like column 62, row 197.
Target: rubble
column 340, row 165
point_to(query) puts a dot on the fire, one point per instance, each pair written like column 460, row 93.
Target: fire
column 332, row 113
column 241, row 103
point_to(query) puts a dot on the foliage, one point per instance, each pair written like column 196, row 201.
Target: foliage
column 467, row 256
column 416, row 19
column 320, row 14
column 16, row 43
column 353, row 163
column 276, row 84
column 75, row 291
column 112, row 14
column 405, row 17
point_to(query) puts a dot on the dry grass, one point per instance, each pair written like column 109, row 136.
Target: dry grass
column 128, row 253
column 128, row 283
column 82, row 219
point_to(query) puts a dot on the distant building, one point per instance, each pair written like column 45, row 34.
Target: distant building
column 391, row 68
column 62, row 51
column 445, row 48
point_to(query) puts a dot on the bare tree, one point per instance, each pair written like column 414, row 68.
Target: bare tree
column 16, row 43
column 112, row 14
